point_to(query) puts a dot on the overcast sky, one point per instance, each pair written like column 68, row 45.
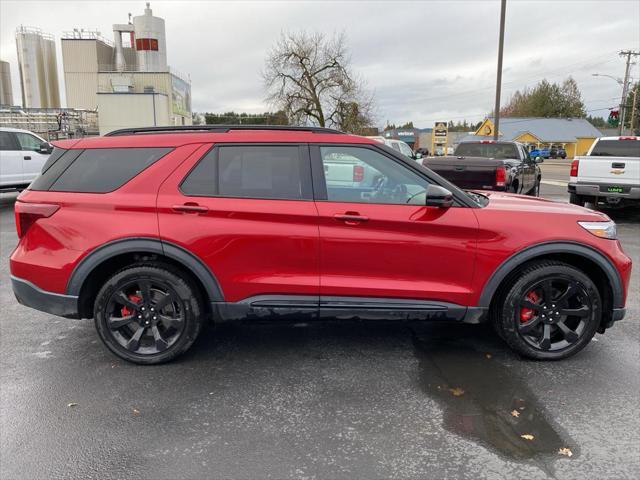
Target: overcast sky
column 424, row 60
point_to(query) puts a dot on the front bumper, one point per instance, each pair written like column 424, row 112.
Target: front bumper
column 54, row 303
column 631, row 192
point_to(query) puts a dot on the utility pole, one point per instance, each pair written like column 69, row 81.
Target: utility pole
column 496, row 111
column 633, row 111
column 625, row 84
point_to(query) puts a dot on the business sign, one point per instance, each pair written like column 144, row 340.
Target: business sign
column 180, row 96
column 440, row 133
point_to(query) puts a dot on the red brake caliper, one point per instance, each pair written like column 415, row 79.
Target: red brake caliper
column 526, row 314
column 125, row 311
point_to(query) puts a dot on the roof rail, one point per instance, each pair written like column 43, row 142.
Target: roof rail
column 217, row 129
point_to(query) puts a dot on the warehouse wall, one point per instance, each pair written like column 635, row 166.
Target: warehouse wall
column 123, row 110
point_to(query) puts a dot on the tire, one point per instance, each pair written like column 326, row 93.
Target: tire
column 148, row 314
column 555, row 329
column 514, row 187
column 576, row 199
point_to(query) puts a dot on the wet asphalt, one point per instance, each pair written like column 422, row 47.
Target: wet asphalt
column 318, row 401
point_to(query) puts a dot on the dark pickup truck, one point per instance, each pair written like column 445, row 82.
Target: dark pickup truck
column 490, row 165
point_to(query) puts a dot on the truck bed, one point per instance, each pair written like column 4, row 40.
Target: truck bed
column 472, row 173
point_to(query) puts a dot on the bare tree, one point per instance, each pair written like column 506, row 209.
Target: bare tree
column 309, row 77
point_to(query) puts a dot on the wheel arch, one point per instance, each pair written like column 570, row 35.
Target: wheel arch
column 119, row 253
column 597, row 266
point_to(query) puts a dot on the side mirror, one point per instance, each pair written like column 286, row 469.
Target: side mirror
column 45, row 148
column 538, row 159
column 438, row 196
column 417, row 156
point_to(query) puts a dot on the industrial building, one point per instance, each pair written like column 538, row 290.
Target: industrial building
column 128, row 80
column 575, row 135
column 6, row 92
column 37, row 66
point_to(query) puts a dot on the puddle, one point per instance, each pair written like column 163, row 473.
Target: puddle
column 484, row 402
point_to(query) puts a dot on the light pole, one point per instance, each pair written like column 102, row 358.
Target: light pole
column 623, row 99
column 496, row 118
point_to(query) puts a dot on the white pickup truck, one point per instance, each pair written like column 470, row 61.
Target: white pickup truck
column 609, row 172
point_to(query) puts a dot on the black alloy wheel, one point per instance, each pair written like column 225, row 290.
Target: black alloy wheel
column 146, row 314
column 551, row 312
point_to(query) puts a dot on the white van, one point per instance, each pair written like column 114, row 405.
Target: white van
column 22, row 156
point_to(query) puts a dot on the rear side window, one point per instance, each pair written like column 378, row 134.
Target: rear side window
column 616, row 148
column 96, row 170
column 8, row 142
column 269, row 172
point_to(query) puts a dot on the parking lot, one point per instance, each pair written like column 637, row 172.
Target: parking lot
column 319, row 401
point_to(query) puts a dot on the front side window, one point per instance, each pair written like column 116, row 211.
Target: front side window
column 269, row 172
column 362, row 175
column 28, row 142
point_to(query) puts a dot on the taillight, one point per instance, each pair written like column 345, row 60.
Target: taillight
column 574, row 168
column 358, row 173
column 28, row 213
column 501, row 176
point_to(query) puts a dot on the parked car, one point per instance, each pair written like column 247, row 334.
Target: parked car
column 609, row 172
column 22, row 155
column 557, row 152
column 490, row 165
column 153, row 231
column 399, row 146
column 544, row 153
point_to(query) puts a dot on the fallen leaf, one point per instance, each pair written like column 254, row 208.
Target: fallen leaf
column 566, row 452
column 456, row 391
column 527, row 436
column 136, row 411
column 488, row 355
column 515, row 413
column 72, row 404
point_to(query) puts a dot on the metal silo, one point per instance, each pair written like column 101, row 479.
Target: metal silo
column 6, row 92
column 150, row 42
column 38, row 68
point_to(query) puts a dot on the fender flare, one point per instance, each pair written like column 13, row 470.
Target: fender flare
column 148, row 245
column 539, row 250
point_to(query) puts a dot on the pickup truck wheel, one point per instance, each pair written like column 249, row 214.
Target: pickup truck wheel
column 147, row 314
column 551, row 312
column 576, row 199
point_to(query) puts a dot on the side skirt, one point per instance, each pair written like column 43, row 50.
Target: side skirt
column 310, row 308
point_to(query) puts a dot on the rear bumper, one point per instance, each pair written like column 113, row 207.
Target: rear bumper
column 632, row 192
column 54, row 303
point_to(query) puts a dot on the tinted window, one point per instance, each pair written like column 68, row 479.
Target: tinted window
column 616, row 148
column 203, row 179
column 103, row 170
column 249, row 172
column 7, row 141
column 28, row 142
column 487, row 150
column 362, row 175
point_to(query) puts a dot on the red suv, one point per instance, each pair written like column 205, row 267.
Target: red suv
column 151, row 232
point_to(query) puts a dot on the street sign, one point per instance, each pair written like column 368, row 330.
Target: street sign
column 440, row 135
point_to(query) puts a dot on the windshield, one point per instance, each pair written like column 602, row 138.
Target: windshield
column 487, row 150
column 616, row 148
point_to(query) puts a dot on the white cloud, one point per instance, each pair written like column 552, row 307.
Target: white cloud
column 425, row 60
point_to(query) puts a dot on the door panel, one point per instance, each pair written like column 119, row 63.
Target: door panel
column 381, row 241
column 10, row 160
column 252, row 246
column 401, row 251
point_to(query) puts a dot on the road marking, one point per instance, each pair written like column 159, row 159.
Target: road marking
column 557, row 183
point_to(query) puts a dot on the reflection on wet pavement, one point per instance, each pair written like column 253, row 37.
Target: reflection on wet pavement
column 483, row 401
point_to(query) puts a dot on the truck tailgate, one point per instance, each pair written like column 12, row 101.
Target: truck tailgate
column 473, row 173
column 613, row 170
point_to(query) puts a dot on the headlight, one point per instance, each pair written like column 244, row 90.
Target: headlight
column 601, row 229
